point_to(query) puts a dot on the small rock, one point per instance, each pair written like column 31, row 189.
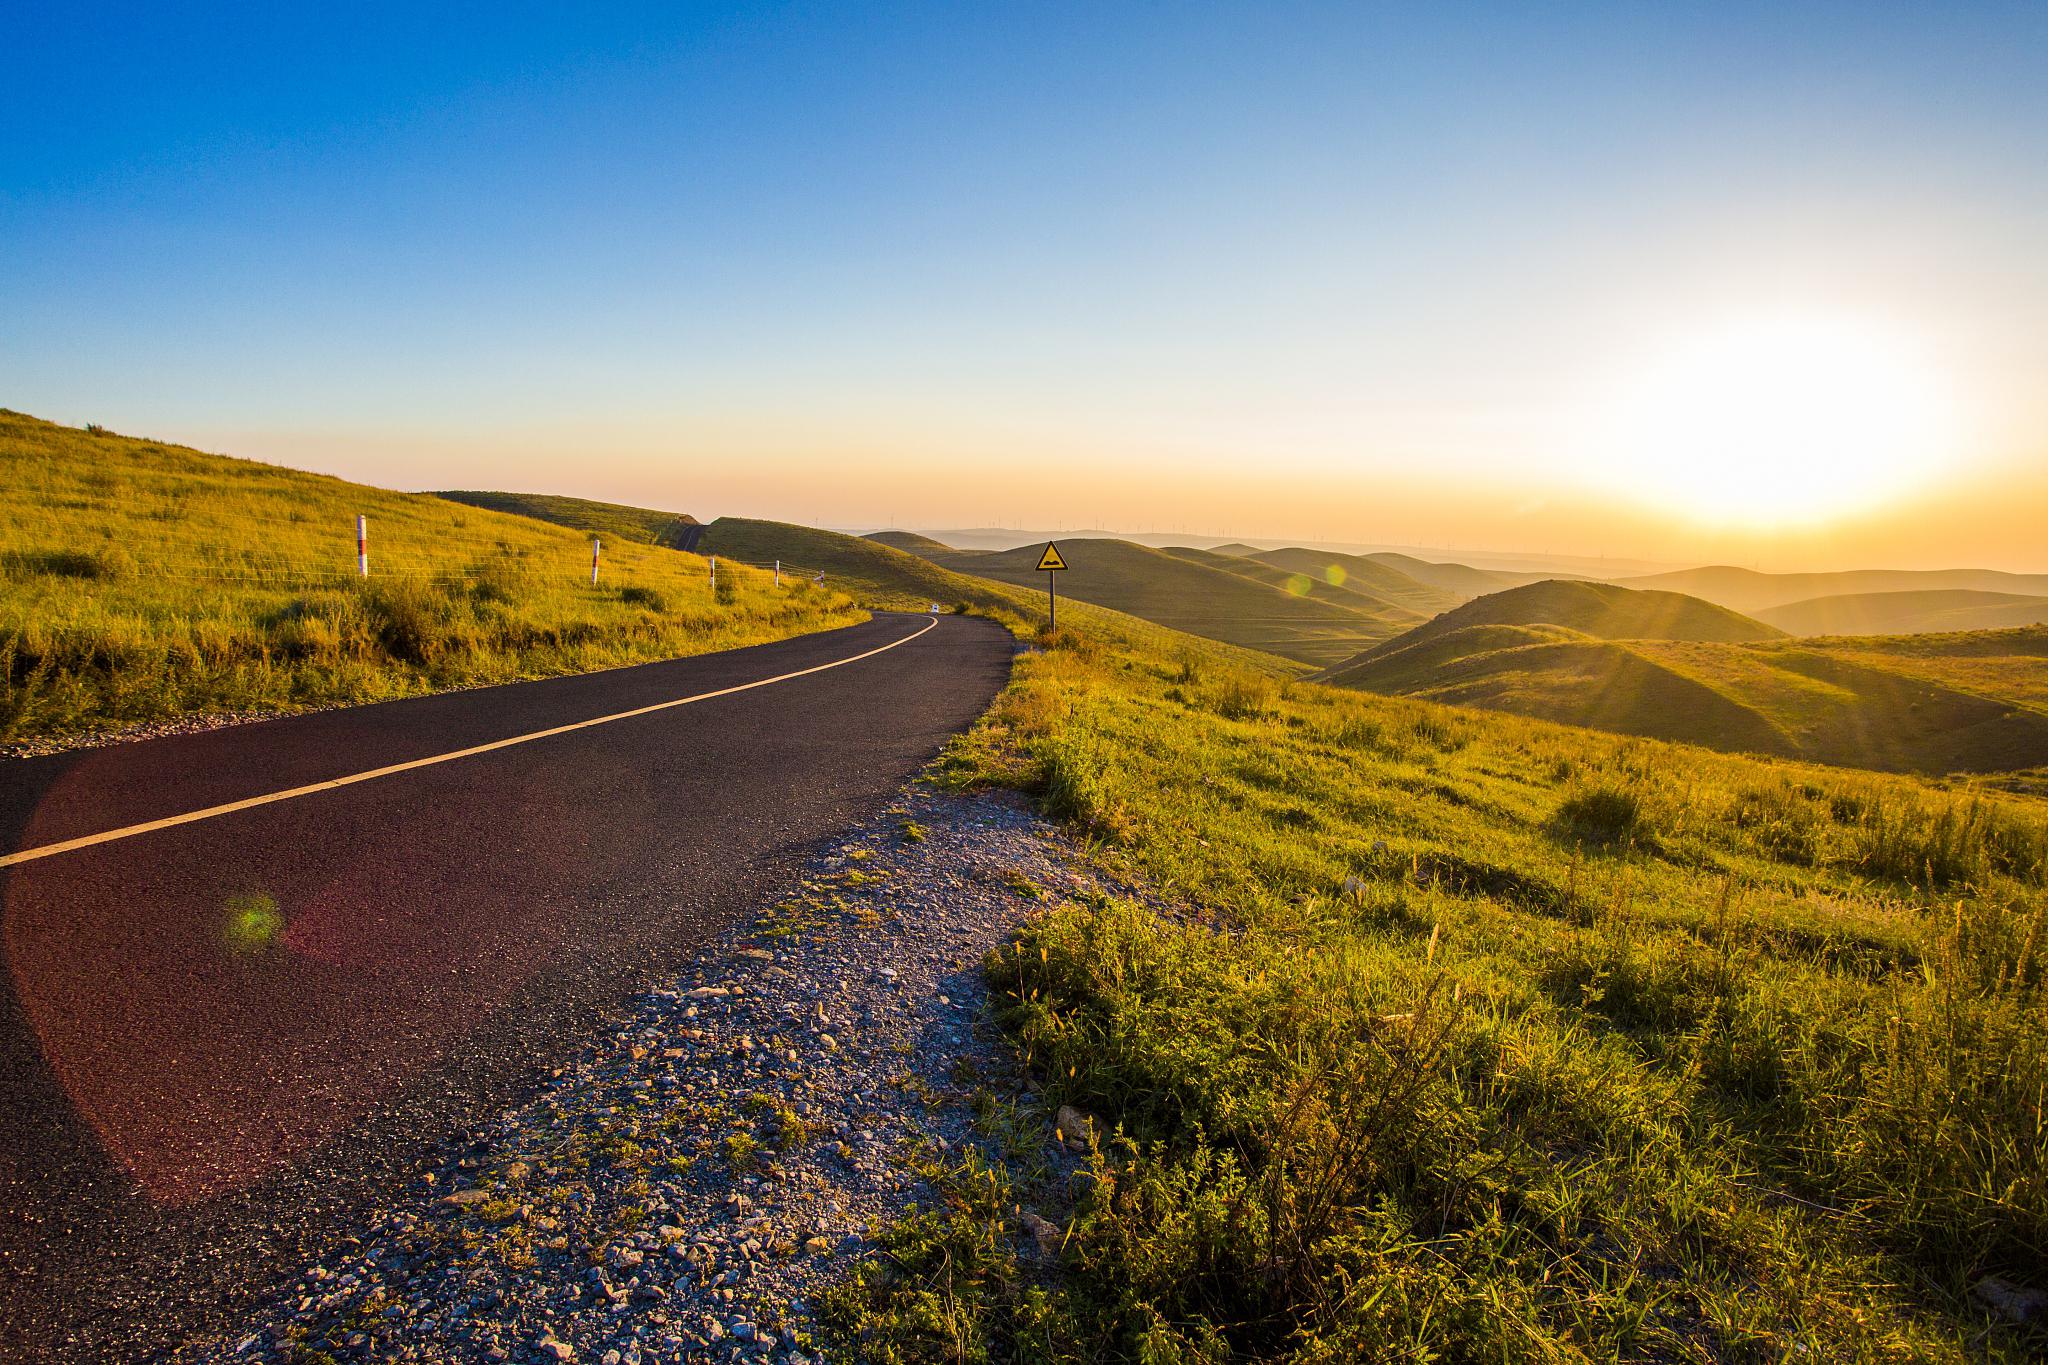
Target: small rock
column 2013, row 1301
column 1075, row 1127
column 1046, row 1236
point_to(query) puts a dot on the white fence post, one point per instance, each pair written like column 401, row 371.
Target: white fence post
column 362, row 546
column 594, row 548
column 778, row 573
column 714, row 571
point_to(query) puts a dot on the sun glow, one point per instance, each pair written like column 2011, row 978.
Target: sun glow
column 1778, row 422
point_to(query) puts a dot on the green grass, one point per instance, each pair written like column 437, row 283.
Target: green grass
column 611, row 520
column 145, row 581
column 1477, row 1038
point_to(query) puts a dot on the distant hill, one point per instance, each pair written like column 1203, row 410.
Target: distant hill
column 1365, row 575
column 1462, row 579
column 1316, row 587
column 1202, row 593
column 876, row 572
column 609, row 519
column 1933, row 704
column 1234, row 548
column 1938, row 611
column 909, row 541
column 1746, row 590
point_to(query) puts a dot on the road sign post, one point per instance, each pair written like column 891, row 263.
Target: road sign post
column 1051, row 563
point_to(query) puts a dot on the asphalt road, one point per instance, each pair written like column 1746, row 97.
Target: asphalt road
column 219, row 1037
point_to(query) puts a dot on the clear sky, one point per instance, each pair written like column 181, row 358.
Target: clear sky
column 1762, row 283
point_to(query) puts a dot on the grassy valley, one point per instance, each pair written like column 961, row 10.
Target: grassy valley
column 146, row 581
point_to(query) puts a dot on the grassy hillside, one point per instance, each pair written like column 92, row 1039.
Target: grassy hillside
column 146, row 581
column 1746, row 590
column 1184, row 592
column 1365, row 575
column 611, row 520
column 1970, row 704
column 1941, row 611
column 1452, row 1035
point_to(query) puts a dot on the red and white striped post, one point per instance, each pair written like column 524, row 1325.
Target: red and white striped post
column 778, row 573
column 594, row 549
column 362, row 546
column 714, row 571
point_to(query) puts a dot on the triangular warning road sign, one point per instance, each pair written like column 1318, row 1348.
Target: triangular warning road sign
column 1051, row 558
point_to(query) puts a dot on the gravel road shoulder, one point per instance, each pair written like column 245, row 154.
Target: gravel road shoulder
column 721, row 1150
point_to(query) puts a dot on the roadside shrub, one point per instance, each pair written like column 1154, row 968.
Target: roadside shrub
column 88, row 564
column 638, row 595
column 499, row 579
column 1603, row 814
column 1079, row 787
column 1781, row 821
column 1439, row 732
column 1242, row 696
column 407, row 617
column 1066, row 641
column 1961, row 842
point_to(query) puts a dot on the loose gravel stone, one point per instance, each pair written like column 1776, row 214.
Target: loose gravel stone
column 725, row 1148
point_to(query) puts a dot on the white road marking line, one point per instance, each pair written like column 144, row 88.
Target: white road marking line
column 29, row 855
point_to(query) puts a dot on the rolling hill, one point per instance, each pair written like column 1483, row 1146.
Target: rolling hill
column 1461, row 579
column 1934, row 611
column 1201, row 593
column 1598, row 610
column 1747, row 590
column 1320, row 586
column 1364, row 575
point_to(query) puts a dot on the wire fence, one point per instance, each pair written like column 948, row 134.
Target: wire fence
column 255, row 569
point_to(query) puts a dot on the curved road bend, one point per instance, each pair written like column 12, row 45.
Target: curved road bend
column 217, row 1037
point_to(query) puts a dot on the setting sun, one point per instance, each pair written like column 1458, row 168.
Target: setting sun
column 1780, row 421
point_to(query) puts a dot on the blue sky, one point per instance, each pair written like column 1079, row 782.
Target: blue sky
column 1280, row 270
